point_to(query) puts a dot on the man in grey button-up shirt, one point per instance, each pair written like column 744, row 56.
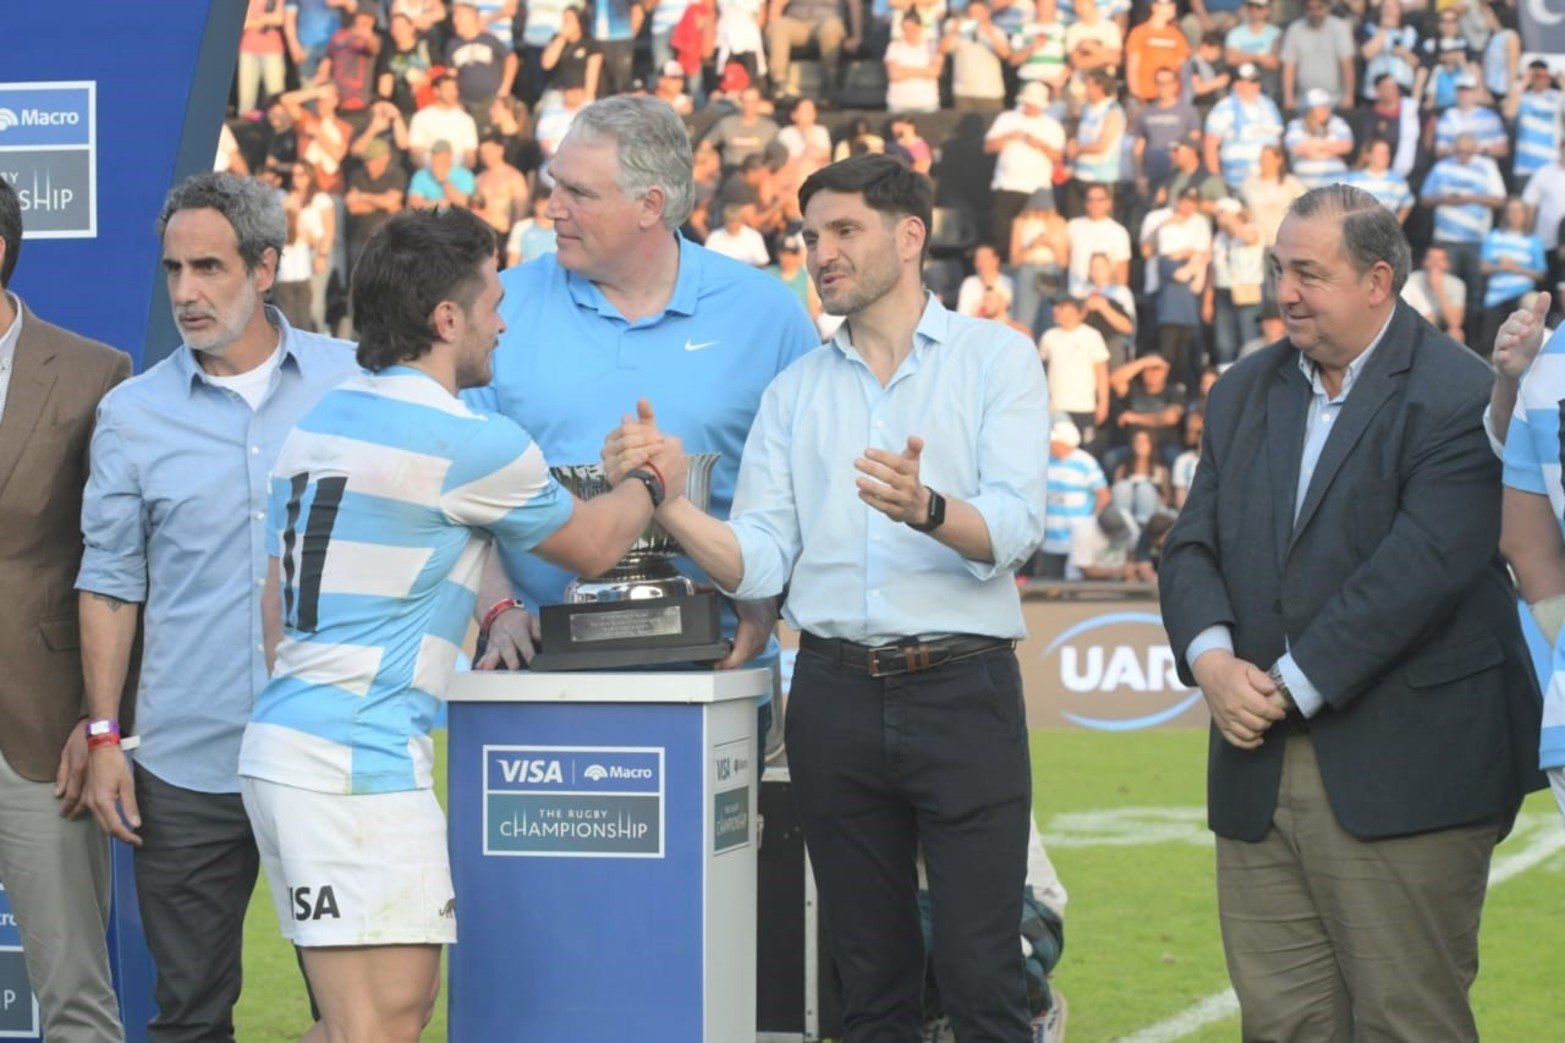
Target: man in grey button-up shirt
column 174, row 521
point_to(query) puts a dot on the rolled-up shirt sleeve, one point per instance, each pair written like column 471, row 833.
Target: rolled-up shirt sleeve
column 765, row 516
column 114, row 526
column 1013, row 460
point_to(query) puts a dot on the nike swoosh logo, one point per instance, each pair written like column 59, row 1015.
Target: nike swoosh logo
column 692, row 346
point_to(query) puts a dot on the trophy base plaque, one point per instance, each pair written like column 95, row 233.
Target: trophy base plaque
column 611, row 635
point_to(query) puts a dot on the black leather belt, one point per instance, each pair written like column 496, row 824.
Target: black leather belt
column 908, row 656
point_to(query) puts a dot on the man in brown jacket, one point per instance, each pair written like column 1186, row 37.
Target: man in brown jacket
column 54, row 860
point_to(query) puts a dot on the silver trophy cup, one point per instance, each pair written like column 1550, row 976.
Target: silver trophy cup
column 647, row 569
column 642, row 611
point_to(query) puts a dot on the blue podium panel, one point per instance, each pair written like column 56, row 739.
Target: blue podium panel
column 103, row 108
column 604, row 860
column 18, row 1008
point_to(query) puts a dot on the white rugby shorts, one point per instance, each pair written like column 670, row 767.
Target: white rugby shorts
column 354, row 869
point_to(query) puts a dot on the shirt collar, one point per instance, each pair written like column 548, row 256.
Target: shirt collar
column 687, row 287
column 934, row 327
column 185, row 358
column 13, row 333
column 1312, row 372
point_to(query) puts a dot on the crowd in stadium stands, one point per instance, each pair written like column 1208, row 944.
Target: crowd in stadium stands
column 1143, row 155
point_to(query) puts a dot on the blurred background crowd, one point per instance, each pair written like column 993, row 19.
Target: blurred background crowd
column 1109, row 173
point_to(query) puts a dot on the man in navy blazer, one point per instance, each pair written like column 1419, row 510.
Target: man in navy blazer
column 1334, row 587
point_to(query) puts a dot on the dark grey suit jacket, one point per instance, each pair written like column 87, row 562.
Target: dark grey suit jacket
column 1389, row 589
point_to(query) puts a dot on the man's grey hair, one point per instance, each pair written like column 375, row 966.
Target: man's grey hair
column 1370, row 231
column 249, row 206
column 654, row 150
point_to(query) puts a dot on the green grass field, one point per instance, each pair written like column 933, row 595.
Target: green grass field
column 1123, row 819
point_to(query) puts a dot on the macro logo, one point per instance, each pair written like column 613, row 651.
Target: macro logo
column 1116, row 672
column 596, row 772
column 8, row 119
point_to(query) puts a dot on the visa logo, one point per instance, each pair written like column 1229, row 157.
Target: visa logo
column 531, row 771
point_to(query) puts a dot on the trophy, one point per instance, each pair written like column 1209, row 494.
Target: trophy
column 641, row 612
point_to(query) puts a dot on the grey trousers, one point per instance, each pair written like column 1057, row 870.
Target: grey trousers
column 57, row 874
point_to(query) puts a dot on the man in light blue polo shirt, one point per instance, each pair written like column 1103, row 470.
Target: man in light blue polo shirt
column 174, row 521
column 629, row 309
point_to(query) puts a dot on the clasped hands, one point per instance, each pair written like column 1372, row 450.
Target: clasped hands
column 637, row 442
column 1244, row 702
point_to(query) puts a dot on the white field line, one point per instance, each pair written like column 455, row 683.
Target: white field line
column 1550, row 839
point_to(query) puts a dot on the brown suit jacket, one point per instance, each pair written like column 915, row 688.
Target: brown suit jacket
column 56, row 381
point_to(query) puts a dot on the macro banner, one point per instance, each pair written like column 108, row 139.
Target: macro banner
column 104, row 106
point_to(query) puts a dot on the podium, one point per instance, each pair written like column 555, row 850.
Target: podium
column 603, row 849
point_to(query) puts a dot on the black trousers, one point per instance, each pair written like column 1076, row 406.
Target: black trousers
column 195, row 872
column 882, row 769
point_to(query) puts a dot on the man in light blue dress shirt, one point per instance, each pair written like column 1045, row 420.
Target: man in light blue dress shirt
column 174, row 519
column 893, row 481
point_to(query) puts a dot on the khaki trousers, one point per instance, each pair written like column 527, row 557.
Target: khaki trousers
column 56, row 872
column 1333, row 938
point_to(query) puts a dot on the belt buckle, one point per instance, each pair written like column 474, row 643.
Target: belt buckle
column 874, row 655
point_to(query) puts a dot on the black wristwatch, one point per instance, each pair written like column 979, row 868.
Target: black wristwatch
column 652, row 482
column 937, row 513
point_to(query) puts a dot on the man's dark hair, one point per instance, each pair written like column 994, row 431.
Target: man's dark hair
column 413, row 262
column 888, row 186
column 10, row 230
column 1370, row 231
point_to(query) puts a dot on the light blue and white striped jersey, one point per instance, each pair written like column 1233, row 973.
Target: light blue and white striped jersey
column 1532, row 464
column 666, row 15
column 543, row 20
column 1525, row 250
column 1072, row 498
column 383, row 502
column 1103, row 168
column 1388, row 61
column 1316, row 171
column 1389, row 187
column 1469, row 222
column 1482, row 122
column 611, row 20
column 1537, row 131
column 494, row 23
column 1242, row 132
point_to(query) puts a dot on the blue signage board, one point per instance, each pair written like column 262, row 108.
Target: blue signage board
column 573, row 801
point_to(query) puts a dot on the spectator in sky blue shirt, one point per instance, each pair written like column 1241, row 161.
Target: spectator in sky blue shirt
column 1512, row 259
column 1469, row 117
column 174, row 521
column 1465, row 189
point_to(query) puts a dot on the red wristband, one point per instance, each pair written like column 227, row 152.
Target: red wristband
column 101, row 731
column 495, row 611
